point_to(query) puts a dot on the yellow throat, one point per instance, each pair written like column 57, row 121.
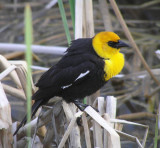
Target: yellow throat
column 114, row 60
column 113, row 66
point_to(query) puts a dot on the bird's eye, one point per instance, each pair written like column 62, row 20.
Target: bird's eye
column 112, row 44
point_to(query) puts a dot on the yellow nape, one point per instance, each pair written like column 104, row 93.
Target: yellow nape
column 114, row 60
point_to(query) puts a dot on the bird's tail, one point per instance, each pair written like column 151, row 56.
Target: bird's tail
column 35, row 107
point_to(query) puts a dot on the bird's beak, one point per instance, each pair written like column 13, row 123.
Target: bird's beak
column 121, row 44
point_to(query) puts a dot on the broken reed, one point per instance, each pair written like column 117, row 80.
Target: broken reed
column 28, row 56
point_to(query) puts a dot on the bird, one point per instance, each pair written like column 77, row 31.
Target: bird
column 86, row 66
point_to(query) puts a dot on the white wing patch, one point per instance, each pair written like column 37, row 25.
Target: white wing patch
column 82, row 75
column 63, row 87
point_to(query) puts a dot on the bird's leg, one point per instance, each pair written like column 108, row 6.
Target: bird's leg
column 80, row 105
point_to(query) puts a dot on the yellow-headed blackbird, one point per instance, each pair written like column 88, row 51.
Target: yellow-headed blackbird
column 87, row 65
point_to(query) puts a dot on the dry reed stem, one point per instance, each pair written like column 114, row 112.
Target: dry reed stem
column 5, row 64
column 23, row 130
column 136, row 124
column 89, row 22
column 101, row 109
column 14, row 126
column 105, row 15
column 111, row 104
column 5, row 120
column 57, row 50
column 21, row 71
column 106, row 134
column 14, row 92
column 156, row 90
column 70, row 111
column 16, row 54
column 7, row 71
column 130, row 137
column 101, row 106
column 69, row 129
column 114, row 138
column 78, row 18
column 22, row 78
column 86, row 131
column 127, row 122
column 150, row 3
column 44, row 119
column 145, row 137
column 134, row 116
column 97, row 135
column 130, row 38
column 97, row 130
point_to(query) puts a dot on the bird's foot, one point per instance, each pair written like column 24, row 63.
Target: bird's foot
column 80, row 105
column 79, row 121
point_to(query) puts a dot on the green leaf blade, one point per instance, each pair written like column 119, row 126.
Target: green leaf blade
column 64, row 19
column 28, row 56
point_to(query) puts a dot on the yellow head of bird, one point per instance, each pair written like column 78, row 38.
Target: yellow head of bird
column 106, row 44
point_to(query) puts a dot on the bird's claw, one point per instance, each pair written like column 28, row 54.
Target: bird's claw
column 80, row 105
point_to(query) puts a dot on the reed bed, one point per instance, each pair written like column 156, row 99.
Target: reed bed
column 129, row 119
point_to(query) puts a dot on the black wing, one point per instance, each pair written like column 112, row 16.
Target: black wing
column 68, row 71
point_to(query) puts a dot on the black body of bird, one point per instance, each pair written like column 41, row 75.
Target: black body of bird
column 78, row 74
